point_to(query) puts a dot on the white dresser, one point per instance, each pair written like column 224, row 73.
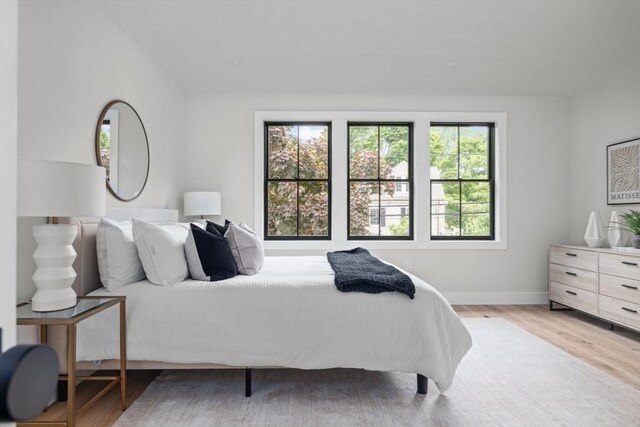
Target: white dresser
column 601, row 282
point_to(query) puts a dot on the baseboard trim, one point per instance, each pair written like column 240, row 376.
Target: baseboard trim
column 495, row 298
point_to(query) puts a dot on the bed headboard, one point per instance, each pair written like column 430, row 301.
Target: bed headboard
column 86, row 263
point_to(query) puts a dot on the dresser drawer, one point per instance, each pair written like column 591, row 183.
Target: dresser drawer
column 586, row 260
column 620, row 265
column 574, row 297
column 620, row 287
column 583, row 279
column 619, row 311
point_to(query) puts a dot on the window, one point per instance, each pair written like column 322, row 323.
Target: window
column 297, row 180
column 374, row 216
column 377, row 217
column 462, row 181
column 380, row 162
column 456, row 199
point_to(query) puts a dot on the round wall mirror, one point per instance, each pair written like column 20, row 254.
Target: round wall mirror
column 122, row 149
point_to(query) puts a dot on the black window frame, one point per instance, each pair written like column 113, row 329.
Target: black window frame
column 297, row 180
column 490, row 179
column 409, row 179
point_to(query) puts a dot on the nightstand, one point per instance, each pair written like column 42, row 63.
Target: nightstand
column 86, row 307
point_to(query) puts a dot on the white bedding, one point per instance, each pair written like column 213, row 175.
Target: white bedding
column 290, row 314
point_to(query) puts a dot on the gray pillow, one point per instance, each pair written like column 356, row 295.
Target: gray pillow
column 246, row 248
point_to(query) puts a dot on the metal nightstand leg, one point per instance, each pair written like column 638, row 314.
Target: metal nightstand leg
column 123, row 355
column 71, row 375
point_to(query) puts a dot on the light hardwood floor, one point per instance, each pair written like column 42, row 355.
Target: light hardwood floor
column 615, row 352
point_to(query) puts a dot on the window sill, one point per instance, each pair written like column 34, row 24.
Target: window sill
column 333, row 245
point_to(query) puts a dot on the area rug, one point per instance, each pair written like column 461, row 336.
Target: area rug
column 509, row 378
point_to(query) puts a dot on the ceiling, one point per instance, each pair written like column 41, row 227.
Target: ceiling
column 482, row 47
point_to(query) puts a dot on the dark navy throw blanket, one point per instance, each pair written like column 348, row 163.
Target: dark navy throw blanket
column 359, row 271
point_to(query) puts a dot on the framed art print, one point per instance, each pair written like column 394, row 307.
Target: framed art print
column 623, row 172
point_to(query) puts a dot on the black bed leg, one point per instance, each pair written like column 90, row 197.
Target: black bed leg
column 247, row 382
column 62, row 391
column 423, row 384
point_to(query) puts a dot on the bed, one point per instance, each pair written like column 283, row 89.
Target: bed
column 290, row 315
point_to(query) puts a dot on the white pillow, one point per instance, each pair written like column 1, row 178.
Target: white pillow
column 246, row 247
column 161, row 250
column 118, row 261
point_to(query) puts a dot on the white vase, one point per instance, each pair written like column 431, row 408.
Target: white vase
column 615, row 235
column 594, row 235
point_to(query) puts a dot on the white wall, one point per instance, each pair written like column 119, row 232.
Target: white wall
column 8, row 149
column 605, row 115
column 72, row 61
column 220, row 153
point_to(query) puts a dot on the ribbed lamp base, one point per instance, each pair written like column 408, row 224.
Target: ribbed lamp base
column 54, row 258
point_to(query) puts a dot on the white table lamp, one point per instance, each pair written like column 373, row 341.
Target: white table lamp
column 57, row 189
column 202, row 203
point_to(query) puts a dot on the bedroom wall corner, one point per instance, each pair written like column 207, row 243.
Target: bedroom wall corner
column 73, row 60
column 605, row 115
column 8, row 167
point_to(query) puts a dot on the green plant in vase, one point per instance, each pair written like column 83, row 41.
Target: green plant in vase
column 631, row 221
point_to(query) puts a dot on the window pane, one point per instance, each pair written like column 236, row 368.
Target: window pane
column 476, row 209
column 394, row 219
column 394, row 152
column 475, row 197
column 283, row 152
column 364, row 205
column 314, row 209
column 282, row 208
column 476, row 225
column 445, row 209
column 474, row 152
column 314, row 152
column 363, row 152
column 443, row 150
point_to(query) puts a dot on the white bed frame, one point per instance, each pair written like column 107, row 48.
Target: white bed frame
column 88, row 280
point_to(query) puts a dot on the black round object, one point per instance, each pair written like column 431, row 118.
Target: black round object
column 28, row 378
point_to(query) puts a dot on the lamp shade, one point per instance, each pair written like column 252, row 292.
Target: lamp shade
column 60, row 189
column 202, row 203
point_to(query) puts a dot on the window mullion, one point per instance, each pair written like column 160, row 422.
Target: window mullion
column 460, row 207
column 379, row 189
column 298, row 185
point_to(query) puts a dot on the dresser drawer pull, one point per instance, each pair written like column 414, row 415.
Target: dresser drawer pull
column 629, row 310
column 635, row 264
column 570, row 254
column 570, row 273
column 635, row 288
column 571, row 293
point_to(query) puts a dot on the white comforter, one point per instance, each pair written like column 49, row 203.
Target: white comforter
column 290, row 314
